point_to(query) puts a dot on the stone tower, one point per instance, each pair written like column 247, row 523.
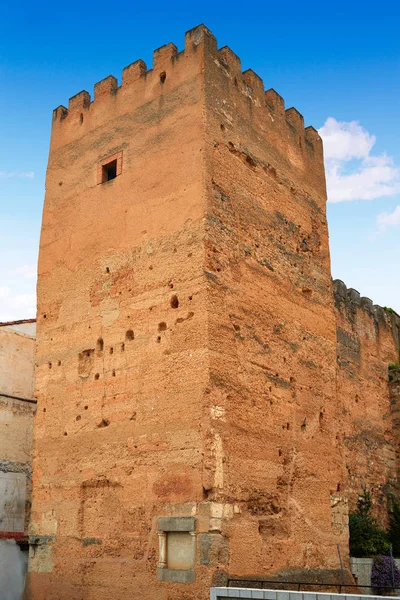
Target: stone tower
column 187, row 427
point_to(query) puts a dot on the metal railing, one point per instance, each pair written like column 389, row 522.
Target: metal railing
column 302, row 586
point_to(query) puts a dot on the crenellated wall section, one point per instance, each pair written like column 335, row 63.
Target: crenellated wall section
column 394, row 392
column 367, row 342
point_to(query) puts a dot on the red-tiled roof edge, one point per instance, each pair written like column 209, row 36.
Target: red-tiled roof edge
column 20, row 322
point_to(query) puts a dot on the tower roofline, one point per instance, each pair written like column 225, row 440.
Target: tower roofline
column 166, row 58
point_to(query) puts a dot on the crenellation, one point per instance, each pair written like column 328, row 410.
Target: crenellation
column 60, row 113
column 379, row 313
column 296, row 121
column 366, row 344
column 137, row 79
column 366, row 304
column 339, row 288
column 255, row 86
column 194, row 37
column 230, row 61
column 163, row 56
column 354, row 296
column 105, row 87
column 314, row 140
column 275, row 102
column 352, row 300
column 79, row 101
column 133, row 72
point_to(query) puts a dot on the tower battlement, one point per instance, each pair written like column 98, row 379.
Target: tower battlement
column 170, row 68
column 166, row 63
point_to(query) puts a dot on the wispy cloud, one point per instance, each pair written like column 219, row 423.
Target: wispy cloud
column 352, row 172
column 388, row 219
column 18, row 174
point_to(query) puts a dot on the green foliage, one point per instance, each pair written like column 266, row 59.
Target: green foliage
column 394, row 528
column 364, row 503
column 394, row 366
column 389, row 310
column 366, row 537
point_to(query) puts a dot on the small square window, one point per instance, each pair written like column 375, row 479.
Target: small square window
column 109, row 171
column 109, row 168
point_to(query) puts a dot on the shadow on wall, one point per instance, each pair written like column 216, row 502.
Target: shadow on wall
column 13, row 566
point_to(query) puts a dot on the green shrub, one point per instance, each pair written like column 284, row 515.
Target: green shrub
column 366, row 537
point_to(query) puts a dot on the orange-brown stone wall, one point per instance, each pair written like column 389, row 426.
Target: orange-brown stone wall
column 122, row 347
column 367, row 342
column 274, row 418
column 186, row 337
column 394, row 392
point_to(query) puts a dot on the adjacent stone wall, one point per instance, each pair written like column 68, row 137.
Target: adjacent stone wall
column 394, row 391
column 13, row 566
column 367, row 341
column 17, row 348
column 17, row 407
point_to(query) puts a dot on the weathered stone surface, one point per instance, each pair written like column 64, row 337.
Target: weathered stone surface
column 367, row 342
column 187, row 340
column 176, row 524
column 17, row 349
column 17, row 407
column 176, row 575
column 394, row 396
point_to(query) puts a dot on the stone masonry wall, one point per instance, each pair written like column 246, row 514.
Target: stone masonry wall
column 17, row 348
column 17, row 408
column 274, row 424
column 122, row 345
column 367, row 341
column 394, row 391
column 187, row 342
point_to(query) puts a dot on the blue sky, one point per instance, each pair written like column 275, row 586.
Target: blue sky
column 338, row 61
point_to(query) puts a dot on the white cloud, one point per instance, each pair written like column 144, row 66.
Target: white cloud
column 20, row 174
column 17, row 306
column 371, row 177
column 344, row 141
column 25, row 271
column 4, row 291
column 387, row 219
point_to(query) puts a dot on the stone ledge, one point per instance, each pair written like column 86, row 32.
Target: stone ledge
column 176, row 524
column 176, row 575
